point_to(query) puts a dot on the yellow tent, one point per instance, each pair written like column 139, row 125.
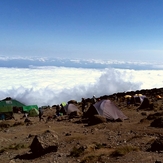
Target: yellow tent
column 138, row 95
column 127, row 96
column 158, row 96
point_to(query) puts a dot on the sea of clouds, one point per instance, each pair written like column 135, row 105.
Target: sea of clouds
column 26, row 62
column 50, row 81
column 50, row 85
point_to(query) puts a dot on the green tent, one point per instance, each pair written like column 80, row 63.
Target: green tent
column 33, row 112
column 63, row 104
column 29, row 107
column 8, row 105
column 6, row 109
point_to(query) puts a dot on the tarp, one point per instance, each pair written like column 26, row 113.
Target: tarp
column 29, row 107
column 109, row 110
column 69, row 108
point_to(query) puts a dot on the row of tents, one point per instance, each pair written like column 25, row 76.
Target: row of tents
column 141, row 100
column 9, row 106
column 105, row 108
column 108, row 109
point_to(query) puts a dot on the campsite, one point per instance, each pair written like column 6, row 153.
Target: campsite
column 122, row 127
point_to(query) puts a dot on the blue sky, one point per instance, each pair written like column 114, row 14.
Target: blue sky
column 82, row 29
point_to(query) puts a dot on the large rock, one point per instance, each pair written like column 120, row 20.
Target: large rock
column 96, row 119
column 157, row 145
column 154, row 116
column 157, row 123
column 44, row 143
column 72, row 102
column 75, row 114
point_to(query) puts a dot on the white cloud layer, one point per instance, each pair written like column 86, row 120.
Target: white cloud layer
column 26, row 62
column 53, row 85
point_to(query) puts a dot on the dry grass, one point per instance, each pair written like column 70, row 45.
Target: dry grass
column 135, row 137
column 4, row 125
column 123, row 150
column 18, row 124
column 76, row 152
column 73, row 137
column 96, row 154
column 91, row 153
column 14, row 147
column 105, row 142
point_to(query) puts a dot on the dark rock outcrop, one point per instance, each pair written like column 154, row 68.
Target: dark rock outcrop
column 44, row 143
column 157, row 123
column 96, row 119
column 157, row 145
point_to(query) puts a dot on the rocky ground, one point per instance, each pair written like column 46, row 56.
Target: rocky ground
column 131, row 141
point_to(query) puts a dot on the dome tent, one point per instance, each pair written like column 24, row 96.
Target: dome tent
column 29, row 107
column 10, row 105
column 69, row 108
column 33, row 112
column 107, row 109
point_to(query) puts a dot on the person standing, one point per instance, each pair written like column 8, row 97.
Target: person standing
column 84, row 104
column 94, row 99
column 41, row 114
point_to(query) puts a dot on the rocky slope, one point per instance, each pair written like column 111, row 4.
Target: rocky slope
column 132, row 140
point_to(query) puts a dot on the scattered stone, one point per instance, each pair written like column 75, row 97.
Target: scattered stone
column 119, row 120
column 67, row 134
column 12, row 161
column 62, row 118
column 158, row 161
column 144, row 113
column 74, row 114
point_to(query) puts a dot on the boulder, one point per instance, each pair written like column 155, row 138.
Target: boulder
column 44, row 143
column 154, row 116
column 75, row 114
column 72, row 102
column 157, row 145
column 96, row 119
column 157, row 123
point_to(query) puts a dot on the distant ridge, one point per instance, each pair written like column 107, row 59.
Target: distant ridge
column 76, row 63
